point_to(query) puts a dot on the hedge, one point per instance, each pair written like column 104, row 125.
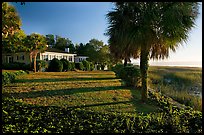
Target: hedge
column 23, row 118
column 129, row 74
column 9, row 77
column 16, row 66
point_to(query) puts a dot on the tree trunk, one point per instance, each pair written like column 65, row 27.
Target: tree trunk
column 144, row 70
column 35, row 57
column 125, row 62
column 31, row 60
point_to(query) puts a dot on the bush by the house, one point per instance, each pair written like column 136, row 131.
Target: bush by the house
column 72, row 66
column 40, row 64
column 79, row 66
column 16, row 66
column 69, row 66
column 86, row 65
column 26, row 67
column 66, row 66
column 23, row 118
column 91, row 66
column 55, row 65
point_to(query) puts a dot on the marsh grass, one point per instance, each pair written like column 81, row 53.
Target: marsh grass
column 183, row 81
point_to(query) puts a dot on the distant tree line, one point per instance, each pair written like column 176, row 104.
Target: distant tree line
column 96, row 50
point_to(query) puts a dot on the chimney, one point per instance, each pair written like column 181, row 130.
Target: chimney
column 66, row 50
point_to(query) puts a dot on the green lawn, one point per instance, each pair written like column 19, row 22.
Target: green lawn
column 92, row 90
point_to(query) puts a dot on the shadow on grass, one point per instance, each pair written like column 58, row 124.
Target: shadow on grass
column 99, row 104
column 146, row 107
column 61, row 92
column 59, row 79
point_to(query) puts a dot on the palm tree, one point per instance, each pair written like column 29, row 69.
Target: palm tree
column 35, row 43
column 119, row 42
column 150, row 30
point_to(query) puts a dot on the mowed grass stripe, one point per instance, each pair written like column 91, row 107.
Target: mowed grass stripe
column 97, row 91
column 39, row 86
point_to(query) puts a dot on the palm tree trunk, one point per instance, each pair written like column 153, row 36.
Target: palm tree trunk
column 35, row 56
column 144, row 70
column 31, row 60
column 125, row 62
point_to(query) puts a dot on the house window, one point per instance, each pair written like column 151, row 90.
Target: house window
column 22, row 57
column 65, row 57
column 70, row 58
column 16, row 57
column 46, row 57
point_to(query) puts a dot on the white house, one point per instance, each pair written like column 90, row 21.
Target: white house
column 48, row 55
column 52, row 53
column 78, row 59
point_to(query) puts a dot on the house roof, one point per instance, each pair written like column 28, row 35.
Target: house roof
column 49, row 49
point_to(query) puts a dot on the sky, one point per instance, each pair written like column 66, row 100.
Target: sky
column 83, row 21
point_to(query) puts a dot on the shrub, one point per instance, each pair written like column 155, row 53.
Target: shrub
column 16, row 66
column 110, row 66
column 72, row 66
column 66, row 65
column 130, row 75
column 86, row 65
column 91, row 66
column 79, row 66
column 26, row 67
column 117, row 69
column 55, row 65
column 69, row 66
column 40, row 64
column 9, row 77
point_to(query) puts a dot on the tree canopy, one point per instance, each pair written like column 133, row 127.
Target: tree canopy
column 11, row 21
column 12, row 35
